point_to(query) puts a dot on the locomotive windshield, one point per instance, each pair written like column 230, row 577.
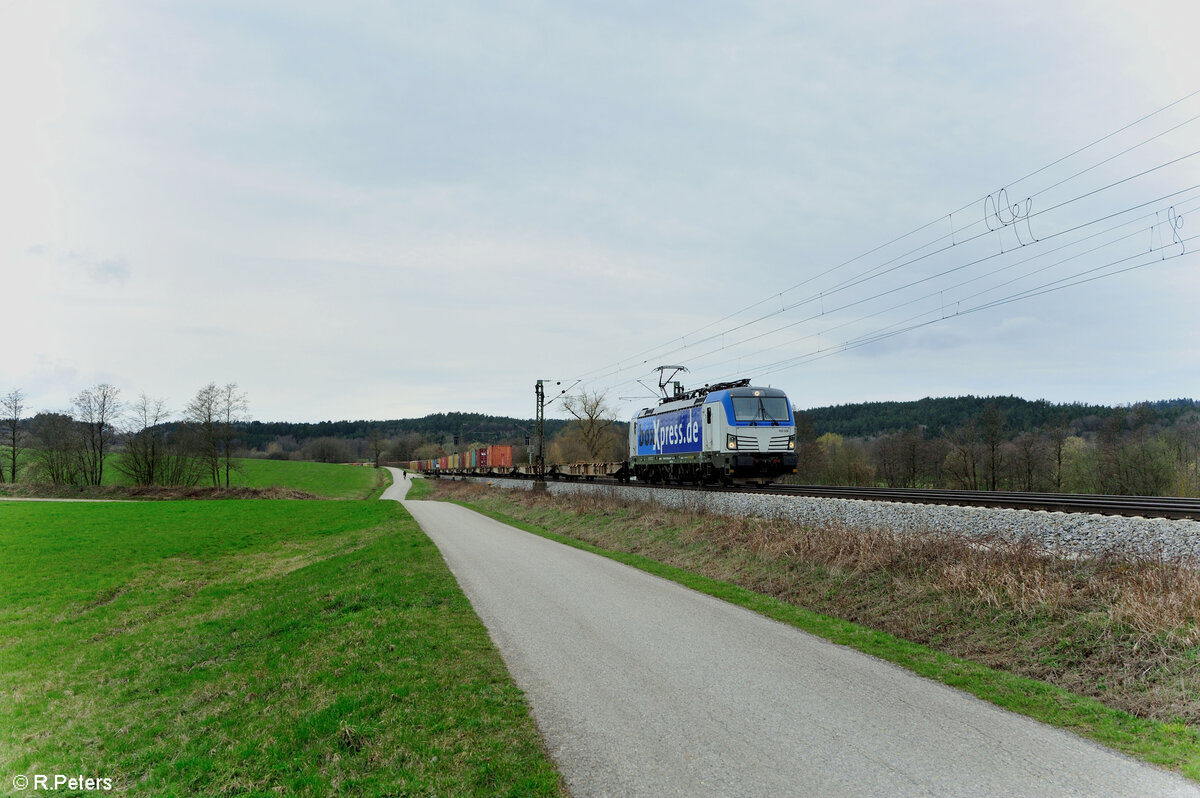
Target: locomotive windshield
column 760, row 408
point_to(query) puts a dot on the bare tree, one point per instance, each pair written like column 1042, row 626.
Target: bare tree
column 214, row 413
column 810, row 454
column 900, row 458
column 962, row 461
column 96, row 408
column 376, row 443
column 11, row 407
column 991, row 429
column 233, row 408
column 1058, row 443
column 327, row 449
column 1028, row 460
column 57, row 440
column 155, row 454
column 201, row 413
column 593, row 420
column 145, row 444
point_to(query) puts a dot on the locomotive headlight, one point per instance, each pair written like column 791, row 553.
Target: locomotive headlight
column 791, row 441
column 730, row 441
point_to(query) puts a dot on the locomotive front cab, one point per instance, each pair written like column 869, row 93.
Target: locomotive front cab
column 750, row 434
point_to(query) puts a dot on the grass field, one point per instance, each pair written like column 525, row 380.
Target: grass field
column 250, row 648
column 322, row 479
column 1108, row 649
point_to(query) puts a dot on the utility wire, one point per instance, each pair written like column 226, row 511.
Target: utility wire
column 618, row 365
column 893, row 266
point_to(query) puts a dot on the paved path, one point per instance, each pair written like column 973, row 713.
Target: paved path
column 644, row 688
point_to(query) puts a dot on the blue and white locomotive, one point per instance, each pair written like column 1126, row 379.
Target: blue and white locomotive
column 726, row 433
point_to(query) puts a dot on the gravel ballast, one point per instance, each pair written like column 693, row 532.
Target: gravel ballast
column 1066, row 533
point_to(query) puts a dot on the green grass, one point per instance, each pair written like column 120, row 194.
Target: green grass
column 420, row 489
column 250, row 648
column 1171, row 745
column 322, row 479
column 328, row 480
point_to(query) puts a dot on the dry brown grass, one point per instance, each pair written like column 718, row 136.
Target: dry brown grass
column 1121, row 629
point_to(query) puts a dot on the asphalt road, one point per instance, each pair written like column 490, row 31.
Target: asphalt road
column 645, row 688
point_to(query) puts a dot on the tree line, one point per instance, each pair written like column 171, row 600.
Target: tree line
column 1147, row 449
column 72, row 447
column 872, row 419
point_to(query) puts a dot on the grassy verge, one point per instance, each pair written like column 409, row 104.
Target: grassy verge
column 1107, row 649
column 420, row 489
column 223, row 648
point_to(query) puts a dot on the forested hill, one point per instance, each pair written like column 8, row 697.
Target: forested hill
column 475, row 427
column 868, row 419
column 861, row 420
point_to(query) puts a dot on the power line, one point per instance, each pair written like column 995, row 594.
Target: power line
column 620, row 365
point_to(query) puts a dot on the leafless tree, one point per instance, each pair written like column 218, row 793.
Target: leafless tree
column 57, row 444
column 234, row 408
column 1132, row 461
column 145, row 444
column 962, row 461
column 96, row 409
column 11, row 407
column 593, row 421
column 991, row 429
column 154, row 454
column 1058, row 442
column 1028, row 459
column 201, row 413
column 428, row 451
column 376, row 443
column 810, row 454
column 405, row 447
column 900, row 458
column 328, row 450
column 214, row 413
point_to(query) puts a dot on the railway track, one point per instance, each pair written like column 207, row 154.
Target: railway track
column 1145, row 506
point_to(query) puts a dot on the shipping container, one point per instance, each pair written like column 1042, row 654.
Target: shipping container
column 500, row 456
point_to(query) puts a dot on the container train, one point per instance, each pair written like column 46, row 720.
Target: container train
column 728, row 433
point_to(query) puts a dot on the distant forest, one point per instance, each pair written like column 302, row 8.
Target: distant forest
column 436, row 428
column 871, row 419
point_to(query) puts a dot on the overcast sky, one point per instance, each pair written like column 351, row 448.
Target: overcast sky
column 383, row 210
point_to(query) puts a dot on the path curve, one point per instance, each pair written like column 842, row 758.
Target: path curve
column 643, row 687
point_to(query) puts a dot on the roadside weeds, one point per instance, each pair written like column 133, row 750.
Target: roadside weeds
column 1106, row 646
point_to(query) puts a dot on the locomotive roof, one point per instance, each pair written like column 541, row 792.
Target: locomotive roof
column 700, row 397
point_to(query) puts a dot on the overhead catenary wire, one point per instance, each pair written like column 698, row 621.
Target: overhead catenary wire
column 1045, row 288
column 1037, row 253
column 625, row 364
column 959, row 267
column 893, row 266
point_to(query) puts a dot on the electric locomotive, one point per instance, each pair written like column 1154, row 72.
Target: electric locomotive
column 731, row 432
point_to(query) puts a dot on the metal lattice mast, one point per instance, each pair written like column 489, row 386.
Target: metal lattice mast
column 540, row 467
